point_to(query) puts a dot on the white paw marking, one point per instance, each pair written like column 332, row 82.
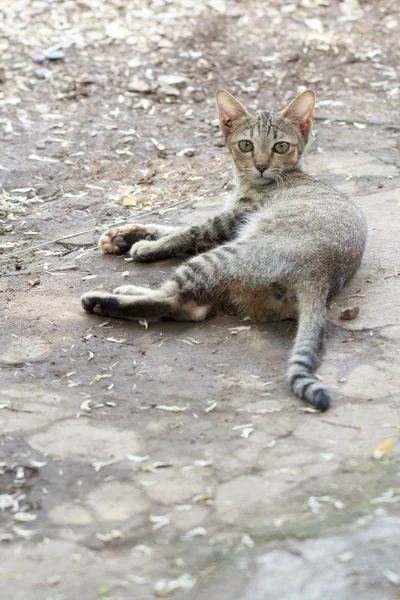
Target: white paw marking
column 128, row 290
column 142, row 249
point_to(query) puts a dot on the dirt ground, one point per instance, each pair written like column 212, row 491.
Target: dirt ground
column 171, row 460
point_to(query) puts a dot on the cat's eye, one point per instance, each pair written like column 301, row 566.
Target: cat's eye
column 281, row 147
column 246, row 145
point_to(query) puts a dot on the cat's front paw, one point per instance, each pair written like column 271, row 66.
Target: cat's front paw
column 120, row 239
column 144, row 251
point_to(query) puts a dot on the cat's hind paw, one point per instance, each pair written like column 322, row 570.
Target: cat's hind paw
column 99, row 303
column 120, row 239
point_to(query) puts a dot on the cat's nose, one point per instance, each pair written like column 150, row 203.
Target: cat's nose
column 261, row 167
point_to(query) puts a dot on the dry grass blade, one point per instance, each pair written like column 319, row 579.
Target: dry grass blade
column 103, row 228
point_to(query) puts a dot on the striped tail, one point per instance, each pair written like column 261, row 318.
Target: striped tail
column 306, row 355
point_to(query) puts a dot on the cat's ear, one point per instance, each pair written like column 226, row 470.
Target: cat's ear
column 229, row 110
column 301, row 112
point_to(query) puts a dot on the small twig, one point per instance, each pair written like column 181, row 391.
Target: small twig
column 26, row 272
column 17, row 410
column 395, row 274
column 65, row 237
column 340, row 424
column 72, row 235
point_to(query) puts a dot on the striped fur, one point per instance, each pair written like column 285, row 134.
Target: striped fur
column 284, row 244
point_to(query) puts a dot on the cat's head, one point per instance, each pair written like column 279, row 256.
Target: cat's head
column 267, row 146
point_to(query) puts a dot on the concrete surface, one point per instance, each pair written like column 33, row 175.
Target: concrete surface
column 138, row 463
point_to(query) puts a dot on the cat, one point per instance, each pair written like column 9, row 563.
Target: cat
column 282, row 247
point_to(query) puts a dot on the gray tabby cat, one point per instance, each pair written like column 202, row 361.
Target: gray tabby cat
column 284, row 244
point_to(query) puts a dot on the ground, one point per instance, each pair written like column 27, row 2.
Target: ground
column 141, row 461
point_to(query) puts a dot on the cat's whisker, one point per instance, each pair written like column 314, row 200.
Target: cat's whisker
column 288, row 179
column 278, row 179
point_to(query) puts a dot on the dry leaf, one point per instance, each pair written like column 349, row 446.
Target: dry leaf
column 235, row 330
column 88, row 277
column 203, row 497
column 270, row 444
column 246, row 433
column 104, row 376
column 34, row 282
column 247, row 541
column 135, row 458
column 129, row 201
column 86, row 406
column 392, row 577
column 346, row 557
column 159, row 521
column 385, row 448
column 23, row 517
column 173, row 408
column 196, row 532
column 166, row 587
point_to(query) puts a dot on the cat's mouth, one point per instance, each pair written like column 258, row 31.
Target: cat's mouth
column 263, row 178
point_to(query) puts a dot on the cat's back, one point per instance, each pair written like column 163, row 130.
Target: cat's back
column 302, row 190
column 303, row 205
column 316, row 203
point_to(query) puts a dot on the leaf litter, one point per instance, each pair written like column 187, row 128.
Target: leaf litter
column 317, row 504
column 109, row 26
column 173, row 408
column 385, row 448
column 166, row 587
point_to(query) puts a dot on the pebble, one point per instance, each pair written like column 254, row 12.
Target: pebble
column 347, row 314
column 175, row 80
column 86, row 79
column 168, row 90
column 43, row 73
column 39, row 58
column 165, row 44
column 56, row 55
column 139, row 85
column 346, row 557
column 186, row 152
column 167, row 22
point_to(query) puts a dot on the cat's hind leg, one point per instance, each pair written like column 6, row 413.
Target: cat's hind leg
column 132, row 290
column 190, row 295
column 130, row 307
column 144, row 303
column 239, row 276
column 194, row 291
